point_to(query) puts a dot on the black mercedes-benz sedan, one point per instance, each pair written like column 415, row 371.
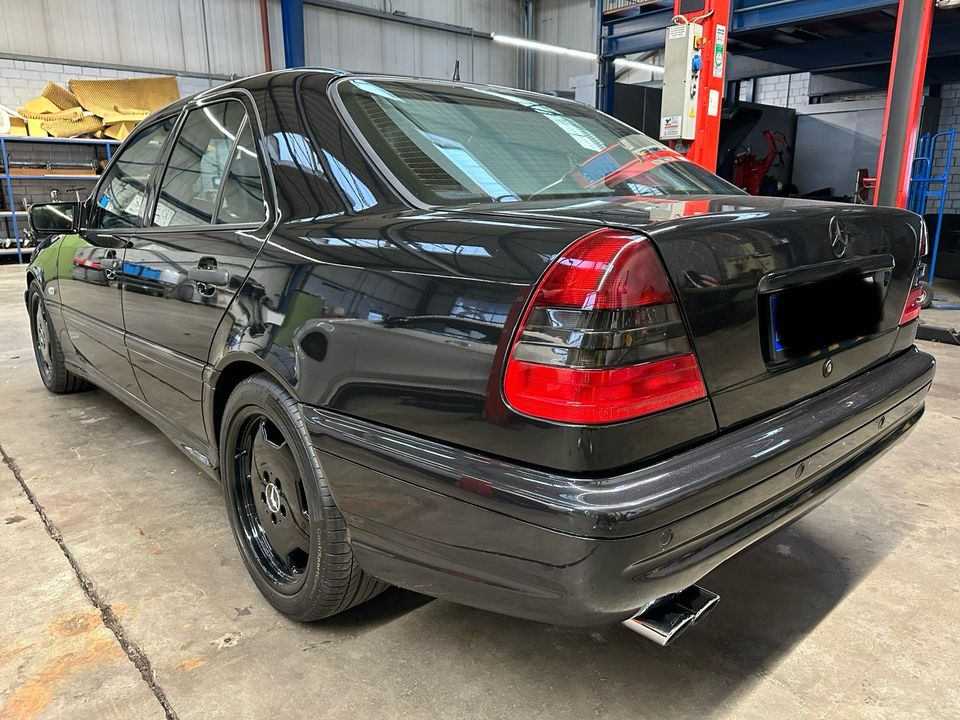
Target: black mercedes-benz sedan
column 488, row 345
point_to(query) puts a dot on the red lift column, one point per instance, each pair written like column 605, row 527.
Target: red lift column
column 714, row 15
column 898, row 141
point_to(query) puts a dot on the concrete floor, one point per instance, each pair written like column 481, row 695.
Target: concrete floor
column 854, row 612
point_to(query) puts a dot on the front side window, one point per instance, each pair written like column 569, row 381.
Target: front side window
column 120, row 200
column 451, row 145
column 213, row 175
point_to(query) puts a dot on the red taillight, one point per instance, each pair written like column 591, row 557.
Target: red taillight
column 582, row 277
column 602, row 339
column 602, row 396
column 911, row 309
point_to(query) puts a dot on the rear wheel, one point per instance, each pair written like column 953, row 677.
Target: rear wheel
column 46, row 348
column 291, row 535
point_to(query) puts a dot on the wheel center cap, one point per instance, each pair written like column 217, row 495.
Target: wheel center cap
column 273, row 498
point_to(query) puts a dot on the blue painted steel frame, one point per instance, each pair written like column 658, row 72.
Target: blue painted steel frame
column 921, row 183
column 751, row 15
column 640, row 29
column 294, row 49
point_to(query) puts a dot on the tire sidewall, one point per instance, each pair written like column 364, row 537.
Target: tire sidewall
column 35, row 298
column 267, row 397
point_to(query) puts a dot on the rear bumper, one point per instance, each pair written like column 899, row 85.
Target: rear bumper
column 568, row 550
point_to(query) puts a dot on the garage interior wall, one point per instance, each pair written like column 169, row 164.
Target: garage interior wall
column 366, row 44
column 118, row 38
column 792, row 91
column 567, row 23
column 168, row 38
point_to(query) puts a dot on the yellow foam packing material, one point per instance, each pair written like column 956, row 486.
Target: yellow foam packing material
column 73, row 128
column 103, row 97
column 59, row 96
column 37, row 107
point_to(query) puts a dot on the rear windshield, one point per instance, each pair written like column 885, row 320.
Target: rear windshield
column 452, row 145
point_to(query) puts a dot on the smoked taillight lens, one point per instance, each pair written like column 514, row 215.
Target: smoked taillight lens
column 911, row 309
column 602, row 339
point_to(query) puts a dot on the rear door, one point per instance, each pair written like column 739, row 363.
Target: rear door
column 185, row 267
column 91, row 261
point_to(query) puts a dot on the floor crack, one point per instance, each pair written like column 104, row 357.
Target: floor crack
column 134, row 653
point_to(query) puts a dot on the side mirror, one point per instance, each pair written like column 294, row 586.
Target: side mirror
column 52, row 218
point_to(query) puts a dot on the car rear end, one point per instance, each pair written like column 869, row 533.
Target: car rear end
column 734, row 307
column 680, row 373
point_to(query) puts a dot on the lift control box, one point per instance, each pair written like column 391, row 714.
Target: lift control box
column 682, row 64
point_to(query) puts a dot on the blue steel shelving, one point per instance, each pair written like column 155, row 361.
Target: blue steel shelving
column 14, row 215
column 924, row 186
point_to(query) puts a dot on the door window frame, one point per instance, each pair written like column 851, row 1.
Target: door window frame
column 266, row 179
column 85, row 225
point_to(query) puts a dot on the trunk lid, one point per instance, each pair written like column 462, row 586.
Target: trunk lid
column 783, row 298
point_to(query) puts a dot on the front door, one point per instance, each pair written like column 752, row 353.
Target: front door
column 182, row 270
column 91, row 261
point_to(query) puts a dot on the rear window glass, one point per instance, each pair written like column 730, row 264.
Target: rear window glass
column 451, row 145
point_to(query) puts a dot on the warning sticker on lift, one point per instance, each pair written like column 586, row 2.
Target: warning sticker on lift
column 670, row 127
column 713, row 103
column 719, row 50
column 676, row 31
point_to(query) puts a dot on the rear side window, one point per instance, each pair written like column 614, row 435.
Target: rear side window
column 242, row 198
column 119, row 202
column 213, row 175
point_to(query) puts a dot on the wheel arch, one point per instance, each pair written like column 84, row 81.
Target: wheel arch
column 232, row 370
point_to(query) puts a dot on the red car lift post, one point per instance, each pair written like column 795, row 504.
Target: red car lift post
column 714, row 15
column 901, row 122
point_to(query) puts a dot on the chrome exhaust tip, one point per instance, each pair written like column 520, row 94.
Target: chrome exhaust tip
column 665, row 619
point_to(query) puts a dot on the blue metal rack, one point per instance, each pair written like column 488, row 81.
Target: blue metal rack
column 12, row 213
column 924, row 185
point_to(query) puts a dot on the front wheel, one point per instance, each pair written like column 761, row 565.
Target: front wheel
column 46, row 347
column 290, row 532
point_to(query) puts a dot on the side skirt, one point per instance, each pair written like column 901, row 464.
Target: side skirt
column 200, row 451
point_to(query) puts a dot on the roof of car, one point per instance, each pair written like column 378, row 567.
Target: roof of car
column 247, row 82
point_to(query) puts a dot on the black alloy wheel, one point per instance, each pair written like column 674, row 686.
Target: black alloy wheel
column 46, row 347
column 292, row 537
column 271, row 502
column 41, row 338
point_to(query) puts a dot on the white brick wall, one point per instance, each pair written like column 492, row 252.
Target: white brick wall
column 22, row 80
column 784, row 90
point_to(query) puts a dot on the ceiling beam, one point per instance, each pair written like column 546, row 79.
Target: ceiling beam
column 836, row 54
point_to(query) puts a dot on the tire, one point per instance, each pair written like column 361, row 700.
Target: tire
column 288, row 529
column 47, row 350
column 926, row 300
